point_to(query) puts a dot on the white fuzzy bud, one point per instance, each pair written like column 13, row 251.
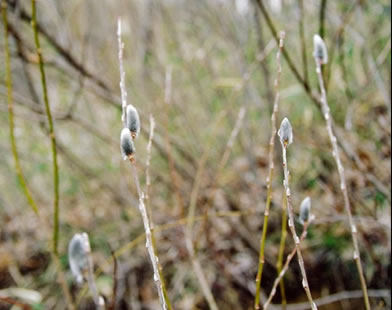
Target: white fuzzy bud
column 133, row 121
column 77, row 256
column 304, row 212
column 285, row 133
column 320, row 50
column 127, row 146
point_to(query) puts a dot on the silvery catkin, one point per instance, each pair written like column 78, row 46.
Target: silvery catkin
column 77, row 256
column 320, row 49
column 127, row 145
column 304, row 211
column 133, row 121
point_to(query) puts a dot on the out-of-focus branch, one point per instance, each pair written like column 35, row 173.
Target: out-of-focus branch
column 301, row 26
column 66, row 54
column 10, row 100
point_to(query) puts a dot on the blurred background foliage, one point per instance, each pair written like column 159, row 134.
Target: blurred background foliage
column 193, row 65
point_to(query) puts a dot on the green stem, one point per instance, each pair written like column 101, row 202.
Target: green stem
column 51, row 130
column 281, row 251
column 10, row 100
column 262, row 242
column 270, row 174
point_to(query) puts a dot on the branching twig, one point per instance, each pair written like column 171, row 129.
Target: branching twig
column 285, row 133
column 283, row 271
column 270, row 174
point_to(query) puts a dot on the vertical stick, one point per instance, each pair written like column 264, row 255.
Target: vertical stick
column 122, row 74
column 149, row 240
column 270, row 175
column 142, row 208
column 285, row 268
column 292, row 228
column 147, row 198
column 51, row 130
column 281, row 251
column 98, row 300
column 343, row 187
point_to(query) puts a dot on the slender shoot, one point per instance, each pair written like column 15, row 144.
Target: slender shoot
column 270, row 174
column 129, row 133
column 147, row 198
column 283, row 237
column 286, row 138
column 320, row 60
column 51, row 130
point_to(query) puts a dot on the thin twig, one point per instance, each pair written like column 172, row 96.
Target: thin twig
column 301, row 263
column 270, row 173
column 112, row 305
column 147, row 198
column 302, row 35
column 283, row 237
column 264, row 66
column 63, row 282
column 323, row 7
column 336, row 155
column 149, row 241
column 285, row 54
column 122, row 74
column 11, row 301
column 142, row 208
column 98, row 300
column 10, row 100
column 52, row 136
column 344, row 295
